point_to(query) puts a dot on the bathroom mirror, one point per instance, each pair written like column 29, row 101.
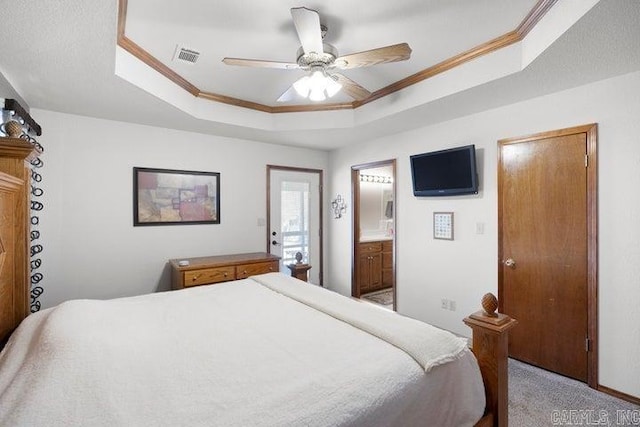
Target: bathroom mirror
column 376, row 203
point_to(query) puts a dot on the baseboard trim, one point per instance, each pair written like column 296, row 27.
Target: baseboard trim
column 619, row 394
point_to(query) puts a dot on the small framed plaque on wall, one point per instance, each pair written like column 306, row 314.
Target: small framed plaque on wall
column 443, row 225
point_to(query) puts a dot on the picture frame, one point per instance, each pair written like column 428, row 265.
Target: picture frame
column 443, row 225
column 175, row 197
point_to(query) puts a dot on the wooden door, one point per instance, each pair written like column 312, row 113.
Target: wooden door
column 375, row 271
column 545, row 220
column 387, row 264
column 364, row 273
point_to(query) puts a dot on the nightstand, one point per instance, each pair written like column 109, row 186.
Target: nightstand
column 299, row 271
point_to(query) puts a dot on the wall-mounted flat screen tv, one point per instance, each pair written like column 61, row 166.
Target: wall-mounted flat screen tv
column 445, row 172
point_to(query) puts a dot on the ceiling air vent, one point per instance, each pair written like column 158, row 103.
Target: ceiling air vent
column 186, row 55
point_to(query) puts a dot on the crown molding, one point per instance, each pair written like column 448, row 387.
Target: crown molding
column 518, row 34
column 534, row 16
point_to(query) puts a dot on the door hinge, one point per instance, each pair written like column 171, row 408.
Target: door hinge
column 587, row 345
column 586, row 160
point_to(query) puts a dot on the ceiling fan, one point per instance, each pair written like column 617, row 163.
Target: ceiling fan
column 321, row 60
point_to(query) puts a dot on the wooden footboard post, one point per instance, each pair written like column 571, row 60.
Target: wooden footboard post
column 490, row 346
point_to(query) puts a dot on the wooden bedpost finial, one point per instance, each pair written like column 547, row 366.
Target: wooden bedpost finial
column 12, row 128
column 491, row 348
column 488, row 313
column 490, row 304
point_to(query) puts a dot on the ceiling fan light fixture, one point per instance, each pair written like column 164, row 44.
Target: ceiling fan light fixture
column 302, row 86
column 333, row 86
column 317, row 80
column 317, row 57
column 317, row 95
column 317, row 86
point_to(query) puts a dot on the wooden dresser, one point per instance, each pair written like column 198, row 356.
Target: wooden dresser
column 375, row 265
column 14, row 232
column 222, row 268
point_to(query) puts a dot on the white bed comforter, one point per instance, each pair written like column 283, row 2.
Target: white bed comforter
column 234, row 354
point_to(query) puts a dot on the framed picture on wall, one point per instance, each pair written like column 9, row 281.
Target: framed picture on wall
column 443, row 225
column 175, row 197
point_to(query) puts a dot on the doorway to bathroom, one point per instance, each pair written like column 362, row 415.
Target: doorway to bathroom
column 374, row 226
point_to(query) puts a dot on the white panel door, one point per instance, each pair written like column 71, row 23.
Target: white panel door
column 295, row 219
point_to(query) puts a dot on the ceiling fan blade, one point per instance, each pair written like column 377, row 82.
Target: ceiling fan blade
column 258, row 63
column 307, row 24
column 394, row 53
column 289, row 95
column 351, row 88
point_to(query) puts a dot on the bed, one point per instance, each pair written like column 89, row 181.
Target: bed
column 265, row 351
column 269, row 350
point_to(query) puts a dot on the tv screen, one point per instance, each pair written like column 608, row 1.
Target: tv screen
column 445, row 172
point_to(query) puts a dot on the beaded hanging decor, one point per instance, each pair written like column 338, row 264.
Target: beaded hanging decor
column 15, row 122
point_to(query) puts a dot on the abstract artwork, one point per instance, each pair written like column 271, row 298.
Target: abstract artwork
column 170, row 197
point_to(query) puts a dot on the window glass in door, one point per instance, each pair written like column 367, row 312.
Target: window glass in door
column 294, row 216
column 294, row 212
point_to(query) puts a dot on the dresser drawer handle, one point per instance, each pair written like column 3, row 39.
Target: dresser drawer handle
column 244, row 272
column 194, row 278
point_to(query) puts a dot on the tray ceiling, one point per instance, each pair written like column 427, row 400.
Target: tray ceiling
column 436, row 30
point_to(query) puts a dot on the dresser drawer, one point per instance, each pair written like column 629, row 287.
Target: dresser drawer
column 245, row 270
column 208, row 275
column 369, row 247
column 186, row 272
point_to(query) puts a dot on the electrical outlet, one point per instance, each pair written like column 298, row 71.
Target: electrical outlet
column 452, row 305
column 444, row 304
column 479, row 227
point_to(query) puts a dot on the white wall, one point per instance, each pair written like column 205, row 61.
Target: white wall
column 92, row 249
column 9, row 92
column 464, row 269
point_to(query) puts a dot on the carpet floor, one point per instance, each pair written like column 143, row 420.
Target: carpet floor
column 541, row 398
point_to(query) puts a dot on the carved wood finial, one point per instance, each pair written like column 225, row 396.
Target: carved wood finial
column 490, row 304
column 12, row 128
column 488, row 313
